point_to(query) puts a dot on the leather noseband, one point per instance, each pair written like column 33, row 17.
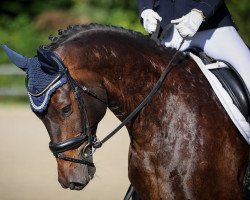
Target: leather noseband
column 86, row 155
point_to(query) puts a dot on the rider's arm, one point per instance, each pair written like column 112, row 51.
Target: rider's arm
column 208, row 7
column 145, row 4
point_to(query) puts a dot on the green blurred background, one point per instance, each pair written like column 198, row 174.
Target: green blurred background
column 26, row 25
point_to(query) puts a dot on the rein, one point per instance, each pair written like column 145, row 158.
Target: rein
column 86, row 154
column 157, row 38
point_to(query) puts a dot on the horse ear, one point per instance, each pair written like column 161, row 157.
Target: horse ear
column 47, row 63
column 19, row 60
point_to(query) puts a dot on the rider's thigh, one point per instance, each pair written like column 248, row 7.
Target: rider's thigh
column 226, row 44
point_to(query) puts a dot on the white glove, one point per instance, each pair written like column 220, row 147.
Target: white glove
column 173, row 40
column 150, row 18
column 189, row 24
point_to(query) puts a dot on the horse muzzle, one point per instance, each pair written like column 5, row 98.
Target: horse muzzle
column 75, row 177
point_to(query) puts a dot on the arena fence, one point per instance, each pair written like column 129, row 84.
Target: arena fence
column 10, row 78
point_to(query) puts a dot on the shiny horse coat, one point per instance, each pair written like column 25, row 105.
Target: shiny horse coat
column 183, row 144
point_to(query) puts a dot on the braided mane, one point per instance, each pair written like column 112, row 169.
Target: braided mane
column 72, row 30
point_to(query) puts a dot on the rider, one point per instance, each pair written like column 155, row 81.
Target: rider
column 205, row 24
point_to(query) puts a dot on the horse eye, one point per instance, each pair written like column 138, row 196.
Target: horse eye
column 67, row 110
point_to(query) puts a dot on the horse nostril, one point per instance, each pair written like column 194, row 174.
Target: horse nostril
column 76, row 186
column 72, row 186
column 63, row 186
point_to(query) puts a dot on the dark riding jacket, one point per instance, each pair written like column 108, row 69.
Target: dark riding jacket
column 215, row 11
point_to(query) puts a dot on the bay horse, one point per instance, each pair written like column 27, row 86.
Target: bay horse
column 183, row 144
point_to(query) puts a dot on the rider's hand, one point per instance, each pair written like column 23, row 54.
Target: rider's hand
column 189, row 24
column 150, row 18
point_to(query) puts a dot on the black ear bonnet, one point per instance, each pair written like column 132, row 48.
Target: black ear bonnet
column 50, row 62
column 45, row 73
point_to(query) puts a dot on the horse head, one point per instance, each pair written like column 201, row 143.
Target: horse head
column 173, row 153
column 69, row 114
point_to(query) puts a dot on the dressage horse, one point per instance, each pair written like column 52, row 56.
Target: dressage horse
column 183, row 144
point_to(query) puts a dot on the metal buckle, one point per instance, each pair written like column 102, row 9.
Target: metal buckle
column 86, row 152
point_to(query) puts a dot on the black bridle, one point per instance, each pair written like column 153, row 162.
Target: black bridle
column 86, row 154
column 58, row 149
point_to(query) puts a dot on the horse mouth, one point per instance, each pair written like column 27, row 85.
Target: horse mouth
column 77, row 186
column 80, row 184
column 74, row 186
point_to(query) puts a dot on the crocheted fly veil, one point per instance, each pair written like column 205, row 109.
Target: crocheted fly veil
column 45, row 73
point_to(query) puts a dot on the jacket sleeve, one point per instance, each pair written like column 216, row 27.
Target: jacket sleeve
column 145, row 4
column 209, row 7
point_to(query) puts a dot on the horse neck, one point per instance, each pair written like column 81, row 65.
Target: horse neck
column 128, row 79
column 128, row 72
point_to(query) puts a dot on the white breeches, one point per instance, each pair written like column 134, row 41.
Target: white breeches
column 221, row 43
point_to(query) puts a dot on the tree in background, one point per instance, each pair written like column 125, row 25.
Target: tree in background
column 20, row 29
column 26, row 24
column 240, row 10
column 31, row 8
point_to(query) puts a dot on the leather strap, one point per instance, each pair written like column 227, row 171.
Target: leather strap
column 158, row 35
column 156, row 87
column 66, row 158
column 155, row 35
column 129, row 193
column 67, row 145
